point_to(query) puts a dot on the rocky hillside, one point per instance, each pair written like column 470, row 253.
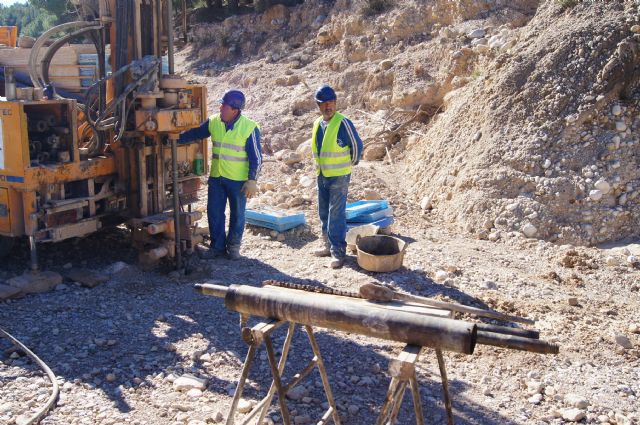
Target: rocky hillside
column 504, row 116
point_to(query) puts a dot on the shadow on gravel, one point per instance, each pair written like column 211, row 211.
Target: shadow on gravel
column 416, row 282
column 124, row 337
column 357, row 371
column 247, row 271
column 94, row 251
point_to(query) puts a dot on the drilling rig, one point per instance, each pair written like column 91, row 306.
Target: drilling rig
column 70, row 166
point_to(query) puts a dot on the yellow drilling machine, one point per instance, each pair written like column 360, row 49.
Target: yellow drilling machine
column 72, row 162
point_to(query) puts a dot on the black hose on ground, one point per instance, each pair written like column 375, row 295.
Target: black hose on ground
column 37, row 417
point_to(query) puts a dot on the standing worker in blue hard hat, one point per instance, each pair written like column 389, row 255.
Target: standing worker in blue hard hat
column 336, row 147
column 236, row 159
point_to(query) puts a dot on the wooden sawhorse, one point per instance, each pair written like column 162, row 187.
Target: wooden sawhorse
column 254, row 337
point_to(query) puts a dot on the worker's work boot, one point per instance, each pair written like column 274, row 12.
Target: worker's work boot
column 205, row 253
column 233, row 252
column 336, row 262
column 324, row 250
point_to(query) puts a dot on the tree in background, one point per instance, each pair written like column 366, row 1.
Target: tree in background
column 55, row 7
column 29, row 19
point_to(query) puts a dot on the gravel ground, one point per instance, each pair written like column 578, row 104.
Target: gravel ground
column 117, row 349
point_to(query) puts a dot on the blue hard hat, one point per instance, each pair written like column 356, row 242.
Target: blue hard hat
column 325, row 93
column 233, row 98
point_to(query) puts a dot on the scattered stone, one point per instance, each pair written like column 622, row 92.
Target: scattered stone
column 425, row 204
column 529, row 230
column 302, row 419
column 245, row 406
column 218, row 417
column 575, row 400
column 34, row 282
column 612, row 261
column 572, row 301
column 603, row 186
column 297, row 392
column 535, row 387
column 616, row 110
column 595, row 194
column 85, row 277
column 535, row 399
column 194, row 393
column 572, row 415
column 386, row 64
column 476, row 33
column 440, row 276
column 291, row 158
column 187, row 382
column 306, row 181
column 116, row 267
column 489, row 284
column 623, row 341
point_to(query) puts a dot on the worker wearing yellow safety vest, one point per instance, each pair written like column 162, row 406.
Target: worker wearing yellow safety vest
column 336, row 147
column 236, row 159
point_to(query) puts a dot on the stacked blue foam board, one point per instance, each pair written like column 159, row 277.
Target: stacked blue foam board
column 274, row 218
column 376, row 212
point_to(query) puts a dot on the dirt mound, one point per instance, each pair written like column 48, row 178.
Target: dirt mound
column 542, row 142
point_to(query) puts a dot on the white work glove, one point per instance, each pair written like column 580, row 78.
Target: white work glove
column 250, row 188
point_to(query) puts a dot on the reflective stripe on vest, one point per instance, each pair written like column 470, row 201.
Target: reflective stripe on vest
column 333, row 160
column 228, row 155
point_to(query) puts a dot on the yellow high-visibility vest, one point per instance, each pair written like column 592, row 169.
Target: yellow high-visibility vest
column 228, row 156
column 333, row 160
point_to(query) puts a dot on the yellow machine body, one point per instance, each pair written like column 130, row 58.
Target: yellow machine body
column 64, row 173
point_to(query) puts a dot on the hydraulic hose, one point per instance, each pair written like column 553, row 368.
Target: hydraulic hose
column 35, row 419
column 53, row 49
column 35, row 50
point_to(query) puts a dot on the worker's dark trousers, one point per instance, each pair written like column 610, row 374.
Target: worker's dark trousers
column 332, row 204
column 222, row 190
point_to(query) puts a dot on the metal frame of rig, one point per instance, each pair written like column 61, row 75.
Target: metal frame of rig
column 71, row 166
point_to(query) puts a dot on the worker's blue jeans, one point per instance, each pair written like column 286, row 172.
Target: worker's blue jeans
column 332, row 205
column 222, row 190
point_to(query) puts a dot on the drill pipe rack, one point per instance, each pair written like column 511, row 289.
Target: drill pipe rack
column 416, row 326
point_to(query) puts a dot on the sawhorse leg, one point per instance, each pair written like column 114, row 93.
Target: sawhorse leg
column 254, row 337
column 403, row 372
column 262, row 333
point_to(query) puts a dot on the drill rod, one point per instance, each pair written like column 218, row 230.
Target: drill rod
column 347, row 315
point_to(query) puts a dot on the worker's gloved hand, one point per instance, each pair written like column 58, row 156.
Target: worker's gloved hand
column 250, row 188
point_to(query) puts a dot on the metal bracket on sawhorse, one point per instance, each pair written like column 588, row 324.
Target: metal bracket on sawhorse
column 403, row 372
column 254, row 337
